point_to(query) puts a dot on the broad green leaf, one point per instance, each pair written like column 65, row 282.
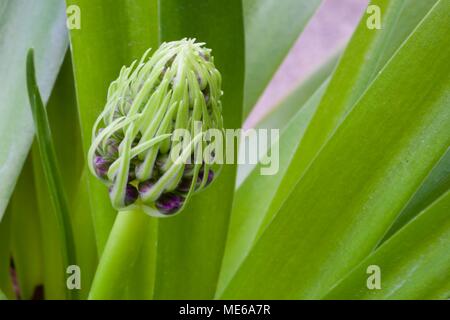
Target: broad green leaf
column 361, row 62
column 282, row 113
column 25, row 24
column 113, row 33
column 190, row 245
column 5, row 255
column 435, row 185
column 413, row 264
column 257, row 190
column 26, row 242
column 271, row 28
column 356, row 66
column 50, row 168
column 83, row 232
column 3, row 296
column 362, row 177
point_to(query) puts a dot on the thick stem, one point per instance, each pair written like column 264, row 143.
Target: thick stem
column 123, row 246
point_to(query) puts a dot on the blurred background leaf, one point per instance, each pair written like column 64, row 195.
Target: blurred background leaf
column 25, row 24
column 271, row 28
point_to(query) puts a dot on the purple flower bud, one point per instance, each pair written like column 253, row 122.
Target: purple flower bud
column 101, row 166
column 210, row 176
column 131, row 195
column 112, row 148
column 169, row 203
column 185, row 185
column 146, row 186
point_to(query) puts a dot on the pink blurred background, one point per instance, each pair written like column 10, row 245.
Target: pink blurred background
column 328, row 31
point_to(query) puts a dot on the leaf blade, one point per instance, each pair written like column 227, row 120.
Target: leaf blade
column 414, row 263
column 369, row 182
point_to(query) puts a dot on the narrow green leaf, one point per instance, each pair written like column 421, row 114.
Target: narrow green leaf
column 63, row 117
column 113, row 33
column 26, row 242
column 50, row 167
column 190, row 245
column 361, row 179
column 271, row 28
column 52, row 247
column 256, row 192
column 414, row 263
column 434, row 186
column 25, row 24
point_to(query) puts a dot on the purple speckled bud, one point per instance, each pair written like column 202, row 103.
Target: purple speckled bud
column 101, row 166
column 131, row 195
column 169, row 203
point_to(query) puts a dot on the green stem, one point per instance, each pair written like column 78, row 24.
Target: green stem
column 120, row 253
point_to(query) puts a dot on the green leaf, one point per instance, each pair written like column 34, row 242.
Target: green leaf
column 361, row 62
column 26, row 236
column 25, row 24
column 190, row 245
column 434, row 186
column 362, row 177
column 113, row 33
column 281, row 114
column 50, row 167
column 5, row 255
column 256, row 192
column 366, row 46
column 271, row 28
column 414, row 263
column 64, row 123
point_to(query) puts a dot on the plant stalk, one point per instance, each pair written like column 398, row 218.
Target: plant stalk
column 119, row 256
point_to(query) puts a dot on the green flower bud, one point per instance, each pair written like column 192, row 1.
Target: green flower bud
column 133, row 147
